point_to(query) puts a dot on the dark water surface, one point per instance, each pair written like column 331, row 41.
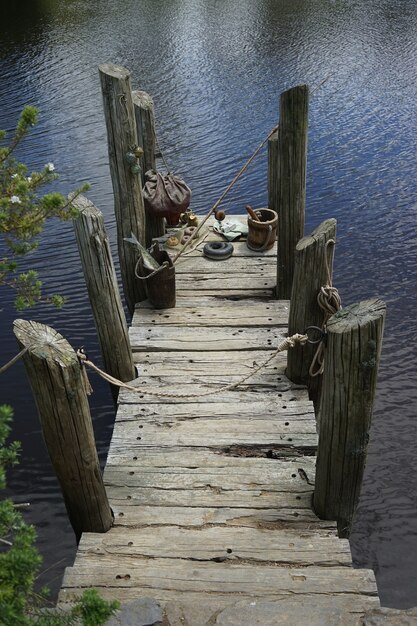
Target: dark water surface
column 216, row 69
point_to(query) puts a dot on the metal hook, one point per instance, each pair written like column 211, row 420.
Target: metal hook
column 319, row 330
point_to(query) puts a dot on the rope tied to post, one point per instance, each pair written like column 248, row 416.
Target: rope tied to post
column 329, row 302
column 286, row 344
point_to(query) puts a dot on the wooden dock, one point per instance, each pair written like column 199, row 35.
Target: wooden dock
column 212, row 495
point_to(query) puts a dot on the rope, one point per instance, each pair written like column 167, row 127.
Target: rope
column 14, row 359
column 289, row 342
column 225, row 192
column 330, row 302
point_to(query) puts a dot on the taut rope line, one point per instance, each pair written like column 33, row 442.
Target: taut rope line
column 14, row 359
column 225, row 192
column 286, row 344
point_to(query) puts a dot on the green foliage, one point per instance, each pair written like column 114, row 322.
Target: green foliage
column 20, row 563
column 24, row 211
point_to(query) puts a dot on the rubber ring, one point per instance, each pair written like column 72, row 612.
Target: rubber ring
column 218, row 250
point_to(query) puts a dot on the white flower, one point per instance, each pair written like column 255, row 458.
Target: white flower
column 15, row 175
column 29, row 179
column 50, row 167
column 15, row 200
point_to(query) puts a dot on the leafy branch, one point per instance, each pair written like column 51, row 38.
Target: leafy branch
column 23, row 213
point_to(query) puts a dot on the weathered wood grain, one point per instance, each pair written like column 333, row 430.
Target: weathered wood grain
column 210, row 281
column 165, row 338
column 184, row 395
column 282, row 410
column 291, row 168
column 127, row 188
column 233, row 266
column 198, row 314
column 299, row 547
column 177, row 575
column 313, row 266
column 211, row 432
column 55, row 377
column 103, row 291
column 212, row 495
column 354, row 342
column 145, row 124
column 140, row 515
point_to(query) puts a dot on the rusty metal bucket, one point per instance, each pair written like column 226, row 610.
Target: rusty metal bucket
column 263, row 233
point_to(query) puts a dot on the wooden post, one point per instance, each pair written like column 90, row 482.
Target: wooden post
column 101, row 281
column 313, row 264
column 145, row 123
column 127, row 187
column 354, row 340
column 291, row 169
column 273, row 189
column 57, row 384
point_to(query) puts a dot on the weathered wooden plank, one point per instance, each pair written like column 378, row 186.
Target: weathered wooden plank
column 121, row 496
column 235, row 314
column 282, row 413
column 179, row 575
column 211, row 338
column 141, row 515
column 301, row 547
column 237, row 282
column 183, row 394
column 221, row 293
column 192, row 361
column 232, row 266
column 201, row 382
column 213, row 460
column 173, row 364
column 209, row 432
column 228, row 299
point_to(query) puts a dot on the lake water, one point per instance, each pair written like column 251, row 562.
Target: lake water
column 215, row 69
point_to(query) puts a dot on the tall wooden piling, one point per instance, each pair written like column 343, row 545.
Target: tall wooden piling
column 57, row 384
column 273, row 178
column 145, row 124
column 290, row 184
column 103, row 291
column 354, row 340
column 313, row 265
column 125, row 174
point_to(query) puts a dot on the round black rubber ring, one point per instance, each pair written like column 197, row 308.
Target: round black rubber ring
column 218, row 250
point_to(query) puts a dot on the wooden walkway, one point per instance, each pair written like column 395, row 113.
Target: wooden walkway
column 212, row 496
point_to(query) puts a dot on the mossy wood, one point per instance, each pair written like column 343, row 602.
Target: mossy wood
column 354, row 340
column 55, row 376
column 127, row 184
column 103, row 291
column 290, row 184
column 145, row 124
column 312, row 263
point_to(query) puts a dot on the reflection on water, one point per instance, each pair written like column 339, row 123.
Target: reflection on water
column 215, row 70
